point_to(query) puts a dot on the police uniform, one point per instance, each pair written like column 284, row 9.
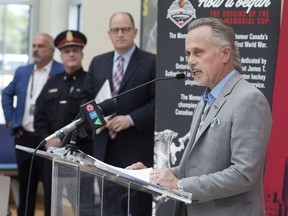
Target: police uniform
column 59, row 104
column 59, row 101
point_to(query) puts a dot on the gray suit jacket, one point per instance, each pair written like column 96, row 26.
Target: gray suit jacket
column 223, row 166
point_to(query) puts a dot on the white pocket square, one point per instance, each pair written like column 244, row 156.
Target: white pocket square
column 215, row 122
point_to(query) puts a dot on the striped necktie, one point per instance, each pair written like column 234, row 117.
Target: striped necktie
column 118, row 75
column 117, row 79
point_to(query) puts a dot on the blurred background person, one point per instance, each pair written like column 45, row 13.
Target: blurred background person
column 26, row 85
column 59, row 104
column 129, row 134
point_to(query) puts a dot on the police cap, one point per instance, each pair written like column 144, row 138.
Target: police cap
column 70, row 38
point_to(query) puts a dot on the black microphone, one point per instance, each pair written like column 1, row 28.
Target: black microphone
column 91, row 113
column 178, row 76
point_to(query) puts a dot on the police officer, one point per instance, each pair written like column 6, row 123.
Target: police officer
column 59, row 101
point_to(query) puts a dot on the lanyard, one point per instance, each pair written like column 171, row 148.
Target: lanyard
column 32, row 84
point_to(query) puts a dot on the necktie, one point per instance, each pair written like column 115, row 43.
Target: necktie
column 118, row 75
column 203, row 116
column 117, row 79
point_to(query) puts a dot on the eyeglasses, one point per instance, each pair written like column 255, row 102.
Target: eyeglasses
column 123, row 30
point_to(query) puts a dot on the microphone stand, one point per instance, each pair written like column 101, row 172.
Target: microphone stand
column 71, row 146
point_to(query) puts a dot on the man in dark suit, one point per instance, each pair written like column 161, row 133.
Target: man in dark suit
column 27, row 84
column 129, row 134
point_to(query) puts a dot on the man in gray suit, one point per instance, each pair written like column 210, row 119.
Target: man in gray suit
column 223, row 163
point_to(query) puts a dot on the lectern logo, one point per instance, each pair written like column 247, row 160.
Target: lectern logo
column 181, row 12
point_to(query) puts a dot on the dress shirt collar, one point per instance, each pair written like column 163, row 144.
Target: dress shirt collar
column 126, row 56
column 210, row 96
column 45, row 68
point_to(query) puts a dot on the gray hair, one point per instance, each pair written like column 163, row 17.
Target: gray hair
column 50, row 39
column 222, row 35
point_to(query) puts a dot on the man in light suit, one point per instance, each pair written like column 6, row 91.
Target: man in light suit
column 223, row 163
column 27, row 84
column 129, row 134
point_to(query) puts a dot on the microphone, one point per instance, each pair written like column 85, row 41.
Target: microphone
column 91, row 113
column 178, row 76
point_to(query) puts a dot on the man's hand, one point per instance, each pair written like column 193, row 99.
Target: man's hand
column 165, row 178
column 54, row 142
column 118, row 123
column 19, row 133
column 136, row 166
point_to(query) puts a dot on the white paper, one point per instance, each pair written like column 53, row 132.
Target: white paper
column 142, row 174
column 103, row 94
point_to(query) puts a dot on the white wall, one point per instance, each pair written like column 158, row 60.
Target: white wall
column 53, row 18
column 96, row 15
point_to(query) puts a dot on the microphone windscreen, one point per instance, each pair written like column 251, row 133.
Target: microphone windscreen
column 180, row 76
column 108, row 107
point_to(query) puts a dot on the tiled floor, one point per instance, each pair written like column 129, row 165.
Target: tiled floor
column 14, row 187
column 39, row 211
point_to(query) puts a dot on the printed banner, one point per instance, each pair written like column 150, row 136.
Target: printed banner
column 256, row 24
column 276, row 173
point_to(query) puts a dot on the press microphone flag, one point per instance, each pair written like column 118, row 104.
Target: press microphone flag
column 94, row 113
column 92, row 116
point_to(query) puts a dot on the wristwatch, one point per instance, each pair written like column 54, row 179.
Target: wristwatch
column 179, row 185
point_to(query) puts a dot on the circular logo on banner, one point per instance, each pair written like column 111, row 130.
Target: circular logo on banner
column 89, row 107
column 181, row 12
